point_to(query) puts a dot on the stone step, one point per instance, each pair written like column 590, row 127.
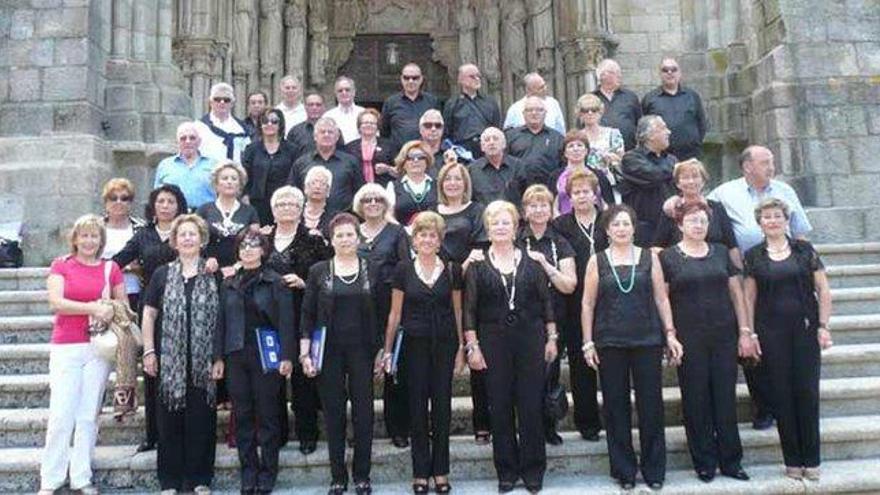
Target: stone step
column 849, row 253
column 24, row 302
column 25, row 329
column 851, row 276
column 857, row 300
column 28, row 278
column 118, row 467
column 21, row 426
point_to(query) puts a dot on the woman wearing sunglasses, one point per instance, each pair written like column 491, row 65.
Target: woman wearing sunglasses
column 267, row 161
column 415, row 190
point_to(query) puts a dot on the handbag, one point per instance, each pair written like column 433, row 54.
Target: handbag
column 555, row 401
column 103, row 339
column 11, row 255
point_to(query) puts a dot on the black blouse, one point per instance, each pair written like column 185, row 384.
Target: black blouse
column 222, row 233
column 464, row 232
column 303, row 251
column 148, row 249
column 486, row 299
column 579, row 236
column 266, row 172
column 406, row 205
column 328, row 302
column 626, row 319
column 383, row 253
column 720, row 229
column 555, row 248
column 428, row 311
column 699, row 292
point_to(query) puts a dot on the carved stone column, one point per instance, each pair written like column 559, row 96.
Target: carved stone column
column 202, row 48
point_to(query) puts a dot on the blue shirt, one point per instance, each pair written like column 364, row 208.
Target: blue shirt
column 740, row 199
column 194, row 181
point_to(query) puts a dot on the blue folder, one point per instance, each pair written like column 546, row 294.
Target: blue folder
column 395, row 354
column 270, row 348
column 316, row 351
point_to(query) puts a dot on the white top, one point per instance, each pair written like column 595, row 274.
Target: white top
column 292, row 116
column 553, row 119
column 346, row 119
column 212, row 144
column 116, row 240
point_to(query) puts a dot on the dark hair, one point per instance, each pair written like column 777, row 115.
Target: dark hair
column 281, row 124
column 253, row 233
column 575, row 135
column 370, row 111
column 684, row 209
column 150, row 210
column 342, row 219
column 609, row 214
column 254, row 93
column 313, row 92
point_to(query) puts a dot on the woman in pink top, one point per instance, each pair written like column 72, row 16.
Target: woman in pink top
column 77, row 375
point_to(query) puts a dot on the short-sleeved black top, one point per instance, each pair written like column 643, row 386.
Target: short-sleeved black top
column 699, row 293
column 407, row 204
column 347, row 325
column 720, row 229
column 222, row 231
column 464, row 231
column 555, row 248
column 626, row 319
column 428, row 311
column 148, row 249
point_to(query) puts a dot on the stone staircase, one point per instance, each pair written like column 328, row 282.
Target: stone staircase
column 850, row 391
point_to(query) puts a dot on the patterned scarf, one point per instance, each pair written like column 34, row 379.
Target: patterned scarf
column 202, row 321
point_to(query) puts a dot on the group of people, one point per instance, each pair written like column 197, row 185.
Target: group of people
column 451, row 244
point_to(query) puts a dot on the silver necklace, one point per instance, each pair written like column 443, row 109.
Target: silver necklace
column 511, row 291
column 347, row 279
column 589, row 234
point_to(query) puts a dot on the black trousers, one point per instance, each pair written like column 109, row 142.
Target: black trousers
column 582, row 379
column 429, row 367
column 515, row 382
column 480, row 401
column 348, row 375
column 187, row 443
column 255, row 395
column 793, row 359
column 760, row 391
column 151, row 392
column 552, row 372
column 707, row 378
column 305, row 405
column 643, row 364
column 395, row 410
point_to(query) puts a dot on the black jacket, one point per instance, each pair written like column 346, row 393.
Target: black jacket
column 384, row 154
column 645, row 183
column 274, row 300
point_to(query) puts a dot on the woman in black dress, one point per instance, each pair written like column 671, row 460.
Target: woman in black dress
column 626, row 308
column 463, row 242
column 374, row 153
column 788, row 295
column 580, row 228
column 383, row 243
column 346, row 373
column 267, row 161
column 414, row 190
column 426, row 307
column 556, row 257
column 293, row 250
column 149, row 247
column 705, row 293
column 256, row 298
column 507, row 300
column 181, row 308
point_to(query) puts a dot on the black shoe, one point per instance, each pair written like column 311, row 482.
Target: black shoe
column 626, row 484
column 337, row 489
column 737, row 474
column 363, row 488
column 420, row 488
column 506, row 486
column 145, row 446
column 763, row 422
column 400, row 442
column 552, row 437
column 706, row 476
column 442, row 487
column 482, row 438
column 590, row 434
column 307, row 446
column 655, row 485
column 534, row 488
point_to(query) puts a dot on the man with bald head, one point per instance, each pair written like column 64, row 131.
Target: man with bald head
column 622, row 107
column 537, row 145
column 401, row 111
column 294, row 111
column 188, row 169
column 470, row 112
column 536, row 86
column 497, row 174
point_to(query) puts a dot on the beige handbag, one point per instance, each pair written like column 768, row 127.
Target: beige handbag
column 103, row 339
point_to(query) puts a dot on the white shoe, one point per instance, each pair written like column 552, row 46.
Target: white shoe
column 202, row 490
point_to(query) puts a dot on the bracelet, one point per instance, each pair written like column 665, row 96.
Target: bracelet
column 303, row 356
column 588, row 346
column 148, row 352
column 553, row 337
column 474, row 344
column 753, row 336
column 745, row 330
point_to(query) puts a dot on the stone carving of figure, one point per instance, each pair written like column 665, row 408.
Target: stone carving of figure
column 242, row 58
column 467, row 25
column 297, row 35
column 544, row 40
column 320, row 42
column 513, row 47
column 271, row 42
column 489, row 44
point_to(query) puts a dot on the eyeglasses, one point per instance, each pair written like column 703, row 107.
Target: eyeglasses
column 432, row 125
column 188, row 137
column 534, row 110
column 222, row 99
column 270, row 121
column 250, row 243
column 591, row 110
column 411, row 78
column 372, row 200
column 119, row 199
column 669, row 70
column 285, row 204
column 343, row 90
column 417, row 156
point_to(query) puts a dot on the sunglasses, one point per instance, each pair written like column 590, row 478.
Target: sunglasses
column 372, row 200
column 222, row 99
column 119, row 199
column 270, row 121
column 411, row 78
column 417, row 156
column 432, row 125
column 250, row 243
column 669, row 70
column 591, row 110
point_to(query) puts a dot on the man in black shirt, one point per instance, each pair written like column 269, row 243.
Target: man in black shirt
column 538, row 146
column 401, row 112
column 431, row 126
column 496, row 175
column 470, row 112
column 681, row 109
column 622, row 107
column 302, row 135
column 646, row 176
column 347, row 175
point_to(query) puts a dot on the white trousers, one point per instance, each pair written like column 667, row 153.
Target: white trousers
column 77, row 377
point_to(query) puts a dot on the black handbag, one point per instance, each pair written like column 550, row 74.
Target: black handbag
column 555, row 398
column 10, row 254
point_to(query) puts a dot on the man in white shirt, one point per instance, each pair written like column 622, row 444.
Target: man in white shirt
column 223, row 136
column 293, row 110
column 345, row 112
column 536, row 86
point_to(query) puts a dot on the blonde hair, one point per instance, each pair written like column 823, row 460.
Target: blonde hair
column 323, row 172
column 537, row 192
column 589, row 100
column 772, row 204
column 373, row 189
column 192, row 218
column 287, row 192
column 88, row 221
column 428, row 220
column 115, row 184
column 690, row 166
column 582, row 175
column 465, row 177
column 223, row 165
column 400, row 160
column 497, row 207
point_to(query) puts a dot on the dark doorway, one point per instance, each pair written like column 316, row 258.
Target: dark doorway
column 376, row 62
